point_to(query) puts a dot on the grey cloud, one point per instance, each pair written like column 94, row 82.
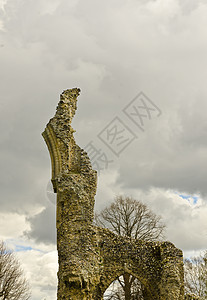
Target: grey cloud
column 43, row 229
column 111, row 53
column 170, row 153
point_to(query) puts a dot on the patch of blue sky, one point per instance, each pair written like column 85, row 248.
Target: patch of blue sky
column 24, row 248
column 19, row 248
column 190, row 198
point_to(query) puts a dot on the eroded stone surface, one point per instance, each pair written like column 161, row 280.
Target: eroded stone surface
column 191, row 297
column 90, row 258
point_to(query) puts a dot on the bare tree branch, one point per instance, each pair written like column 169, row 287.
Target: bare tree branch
column 130, row 218
column 195, row 270
column 13, row 285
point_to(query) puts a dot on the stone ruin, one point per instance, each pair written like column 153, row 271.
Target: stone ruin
column 91, row 258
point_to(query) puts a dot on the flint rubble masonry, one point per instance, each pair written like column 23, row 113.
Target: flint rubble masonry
column 91, row 258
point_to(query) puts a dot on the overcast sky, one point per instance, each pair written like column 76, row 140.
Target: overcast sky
column 122, row 54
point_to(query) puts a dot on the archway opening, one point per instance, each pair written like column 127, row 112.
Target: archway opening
column 125, row 287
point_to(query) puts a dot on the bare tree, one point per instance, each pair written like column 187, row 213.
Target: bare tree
column 195, row 269
column 13, row 285
column 124, row 287
column 130, row 218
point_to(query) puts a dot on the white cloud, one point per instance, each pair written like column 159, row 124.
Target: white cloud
column 41, row 270
column 12, row 225
column 185, row 220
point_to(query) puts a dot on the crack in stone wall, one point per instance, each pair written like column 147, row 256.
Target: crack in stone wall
column 91, row 258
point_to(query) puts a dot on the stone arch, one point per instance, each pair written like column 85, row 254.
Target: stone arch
column 120, row 255
column 111, row 279
column 121, row 274
column 54, row 150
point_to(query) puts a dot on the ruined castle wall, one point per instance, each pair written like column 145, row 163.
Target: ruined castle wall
column 90, row 258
